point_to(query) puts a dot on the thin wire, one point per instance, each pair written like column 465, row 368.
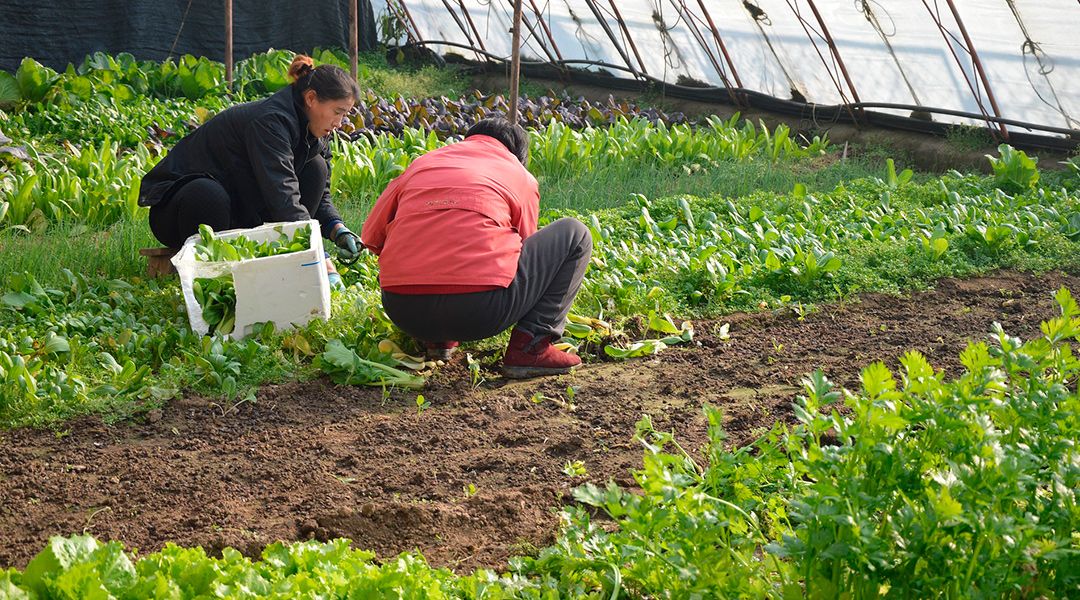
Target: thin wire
column 183, row 20
column 871, row 17
column 831, row 71
column 665, row 35
column 1035, row 50
column 583, row 37
column 759, row 17
column 935, row 14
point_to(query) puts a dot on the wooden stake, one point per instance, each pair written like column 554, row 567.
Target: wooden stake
column 228, row 45
column 515, row 62
column 354, row 37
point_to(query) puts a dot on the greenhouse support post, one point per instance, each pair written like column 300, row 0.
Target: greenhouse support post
column 946, row 35
column 686, row 14
column 228, row 45
column 354, row 37
column 611, row 36
column 461, row 26
column 476, row 32
column 515, row 62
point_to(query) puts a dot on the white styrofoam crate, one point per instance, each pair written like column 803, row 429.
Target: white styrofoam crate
column 288, row 289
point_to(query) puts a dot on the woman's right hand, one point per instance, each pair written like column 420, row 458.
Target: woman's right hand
column 348, row 243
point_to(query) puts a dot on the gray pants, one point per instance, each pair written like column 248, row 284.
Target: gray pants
column 549, row 274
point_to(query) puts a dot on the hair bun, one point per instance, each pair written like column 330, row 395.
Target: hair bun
column 301, row 65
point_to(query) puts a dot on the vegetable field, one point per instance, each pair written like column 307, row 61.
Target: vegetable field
column 852, row 381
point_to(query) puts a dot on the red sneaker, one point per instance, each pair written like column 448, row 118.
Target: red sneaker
column 439, row 350
column 521, row 361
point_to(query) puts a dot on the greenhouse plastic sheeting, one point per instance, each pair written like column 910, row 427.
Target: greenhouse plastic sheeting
column 894, row 50
column 58, row 33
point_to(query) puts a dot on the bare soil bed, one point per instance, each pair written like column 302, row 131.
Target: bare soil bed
column 315, row 460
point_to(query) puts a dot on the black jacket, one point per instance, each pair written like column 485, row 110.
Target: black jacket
column 254, row 150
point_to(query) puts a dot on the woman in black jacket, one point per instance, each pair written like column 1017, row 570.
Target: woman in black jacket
column 263, row 161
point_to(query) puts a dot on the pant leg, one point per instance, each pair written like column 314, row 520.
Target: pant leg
column 313, row 183
column 550, row 270
column 196, row 202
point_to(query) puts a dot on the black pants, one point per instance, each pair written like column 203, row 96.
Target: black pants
column 204, row 200
column 549, row 274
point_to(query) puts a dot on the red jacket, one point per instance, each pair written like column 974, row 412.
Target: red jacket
column 455, row 217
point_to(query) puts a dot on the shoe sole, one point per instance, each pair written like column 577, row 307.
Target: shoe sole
column 529, row 372
column 440, row 354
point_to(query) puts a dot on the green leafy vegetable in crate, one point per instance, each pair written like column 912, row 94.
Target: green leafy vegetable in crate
column 211, row 249
column 217, row 297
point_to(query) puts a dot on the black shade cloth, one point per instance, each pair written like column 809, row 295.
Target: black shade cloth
column 56, row 34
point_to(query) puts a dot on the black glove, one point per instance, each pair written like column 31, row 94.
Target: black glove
column 348, row 244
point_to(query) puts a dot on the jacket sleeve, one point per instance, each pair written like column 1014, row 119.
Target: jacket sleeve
column 326, row 213
column 373, row 234
column 270, row 152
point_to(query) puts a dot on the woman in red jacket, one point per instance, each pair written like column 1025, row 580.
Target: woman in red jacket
column 460, row 257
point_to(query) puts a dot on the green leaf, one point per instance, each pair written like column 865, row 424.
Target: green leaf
column 636, row 349
column 877, row 379
column 9, row 90
column 8, row 589
column 18, row 300
column 34, row 79
column 663, row 324
column 1068, row 305
column 58, row 556
column 889, row 421
column 55, row 344
column 945, row 507
column 772, row 262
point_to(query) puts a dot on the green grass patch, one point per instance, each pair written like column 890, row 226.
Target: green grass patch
column 110, row 253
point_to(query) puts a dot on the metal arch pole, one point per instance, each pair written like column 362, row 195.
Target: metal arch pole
column 515, row 62
column 792, row 4
column 611, row 36
column 228, row 44
column 354, row 38
column 680, row 7
column 835, row 52
column 945, row 34
column 547, row 30
column 978, row 66
column 532, row 32
column 460, row 25
column 629, row 38
column 476, row 32
column 720, row 42
column 408, row 16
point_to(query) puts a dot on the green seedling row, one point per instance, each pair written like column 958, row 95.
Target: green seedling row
column 687, row 256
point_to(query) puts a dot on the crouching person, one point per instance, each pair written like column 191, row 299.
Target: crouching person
column 460, row 257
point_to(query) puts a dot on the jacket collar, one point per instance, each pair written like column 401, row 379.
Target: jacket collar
column 301, row 116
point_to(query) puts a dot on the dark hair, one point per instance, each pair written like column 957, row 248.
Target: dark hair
column 512, row 136
column 330, row 82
